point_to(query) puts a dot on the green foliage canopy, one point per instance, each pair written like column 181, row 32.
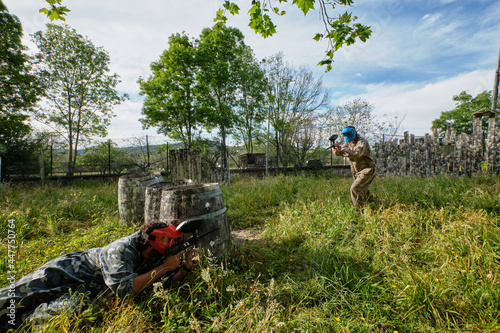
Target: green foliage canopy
column 220, row 53
column 171, row 92
column 79, row 92
column 212, row 82
column 18, row 93
column 104, row 157
column 55, row 10
column 460, row 118
column 221, row 57
column 250, row 106
column 17, row 86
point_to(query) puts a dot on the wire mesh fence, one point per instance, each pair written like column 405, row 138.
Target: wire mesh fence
column 114, row 156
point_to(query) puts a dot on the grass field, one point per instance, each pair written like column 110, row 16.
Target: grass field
column 424, row 258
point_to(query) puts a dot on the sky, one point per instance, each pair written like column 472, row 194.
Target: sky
column 421, row 52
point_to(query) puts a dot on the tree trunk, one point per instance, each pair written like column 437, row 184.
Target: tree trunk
column 70, row 161
column 224, row 148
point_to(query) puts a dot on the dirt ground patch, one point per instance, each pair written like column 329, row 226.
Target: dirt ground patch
column 249, row 234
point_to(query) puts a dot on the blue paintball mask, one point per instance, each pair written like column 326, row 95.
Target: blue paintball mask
column 349, row 133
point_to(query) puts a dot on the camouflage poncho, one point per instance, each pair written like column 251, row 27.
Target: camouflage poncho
column 48, row 289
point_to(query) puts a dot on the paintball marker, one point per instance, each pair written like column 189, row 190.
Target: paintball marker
column 332, row 141
column 190, row 225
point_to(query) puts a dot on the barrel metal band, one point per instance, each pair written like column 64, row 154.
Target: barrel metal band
column 214, row 214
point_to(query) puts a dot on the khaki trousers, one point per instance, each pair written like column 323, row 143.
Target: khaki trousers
column 359, row 188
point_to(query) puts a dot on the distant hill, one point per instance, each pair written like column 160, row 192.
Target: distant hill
column 133, row 149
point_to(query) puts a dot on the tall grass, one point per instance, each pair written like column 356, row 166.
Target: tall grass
column 424, row 258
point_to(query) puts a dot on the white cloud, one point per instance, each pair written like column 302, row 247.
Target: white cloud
column 430, row 19
column 420, row 37
column 423, row 103
column 126, row 122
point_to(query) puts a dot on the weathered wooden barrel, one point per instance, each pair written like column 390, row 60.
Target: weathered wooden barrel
column 153, row 197
column 202, row 200
column 131, row 195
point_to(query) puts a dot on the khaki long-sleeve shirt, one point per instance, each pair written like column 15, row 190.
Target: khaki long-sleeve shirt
column 359, row 153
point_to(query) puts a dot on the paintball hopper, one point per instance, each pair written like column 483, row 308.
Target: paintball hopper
column 190, row 225
column 332, row 140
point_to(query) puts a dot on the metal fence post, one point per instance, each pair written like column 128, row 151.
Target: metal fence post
column 51, row 155
column 109, row 156
column 147, row 148
column 40, row 160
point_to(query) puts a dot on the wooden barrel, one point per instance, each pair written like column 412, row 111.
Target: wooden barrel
column 203, row 200
column 153, row 197
column 131, row 195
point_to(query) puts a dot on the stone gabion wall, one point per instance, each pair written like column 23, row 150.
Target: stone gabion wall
column 431, row 155
column 212, row 174
column 189, row 164
column 493, row 147
column 247, row 161
column 186, row 164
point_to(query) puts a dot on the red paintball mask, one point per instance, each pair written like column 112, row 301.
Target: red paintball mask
column 158, row 238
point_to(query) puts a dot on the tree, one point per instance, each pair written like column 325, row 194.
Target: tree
column 104, row 157
column 307, row 138
column 309, row 97
column 390, row 127
column 295, row 98
column 18, row 149
column 250, row 107
column 279, row 77
column 171, row 92
column 17, row 86
column 18, row 93
column 460, row 118
column 220, row 58
column 338, row 31
column 138, row 152
column 79, row 92
column 359, row 113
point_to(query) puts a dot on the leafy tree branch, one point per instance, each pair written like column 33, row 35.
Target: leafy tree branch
column 339, row 31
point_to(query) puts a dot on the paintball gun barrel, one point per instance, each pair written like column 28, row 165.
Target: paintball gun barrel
column 190, row 225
